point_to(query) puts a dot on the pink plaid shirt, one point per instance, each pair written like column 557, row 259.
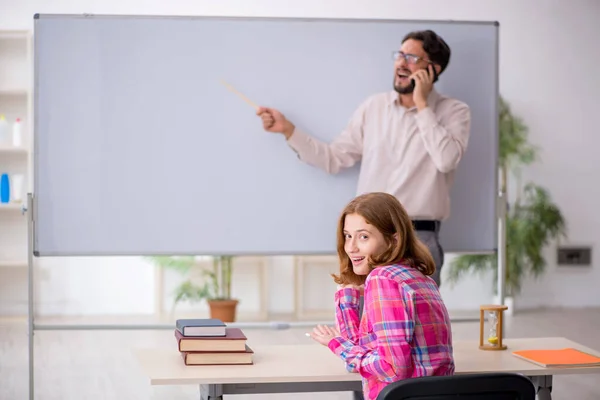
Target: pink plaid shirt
column 404, row 332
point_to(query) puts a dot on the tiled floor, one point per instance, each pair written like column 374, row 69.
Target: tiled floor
column 100, row 364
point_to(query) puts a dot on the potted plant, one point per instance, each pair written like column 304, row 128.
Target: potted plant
column 222, row 306
column 532, row 219
column 216, row 289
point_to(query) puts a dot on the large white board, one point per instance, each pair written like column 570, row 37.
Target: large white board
column 140, row 150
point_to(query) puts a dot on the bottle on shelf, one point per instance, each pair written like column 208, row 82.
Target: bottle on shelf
column 4, row 139
column 17, row 187
column 4, row 189
column 17, row 139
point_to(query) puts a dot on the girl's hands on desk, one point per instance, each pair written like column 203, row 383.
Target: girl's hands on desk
column 323, row 334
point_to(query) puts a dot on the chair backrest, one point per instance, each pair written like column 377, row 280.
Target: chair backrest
column 492, row 386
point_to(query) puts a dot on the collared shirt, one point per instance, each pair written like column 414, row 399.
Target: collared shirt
column 405, row 330
column 408, row 153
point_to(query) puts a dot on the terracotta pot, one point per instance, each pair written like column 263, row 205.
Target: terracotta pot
column 223, row 309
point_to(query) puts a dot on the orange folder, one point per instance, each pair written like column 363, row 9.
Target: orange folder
column 559, row 358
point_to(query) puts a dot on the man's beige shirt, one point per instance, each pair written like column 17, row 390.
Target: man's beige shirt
column 408, row 153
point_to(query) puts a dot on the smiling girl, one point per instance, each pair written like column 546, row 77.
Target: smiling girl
column 405, row 328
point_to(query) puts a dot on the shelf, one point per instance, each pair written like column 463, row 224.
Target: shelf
column 14, row 35
column 13, row 92
column 16, row 101
column 13, row 263
column 7, row 149
column 11, row 207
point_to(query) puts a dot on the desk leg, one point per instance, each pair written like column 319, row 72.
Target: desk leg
column 211, row 392
column 544, row 386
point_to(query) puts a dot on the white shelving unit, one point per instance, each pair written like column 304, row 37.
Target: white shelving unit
column 16, row 84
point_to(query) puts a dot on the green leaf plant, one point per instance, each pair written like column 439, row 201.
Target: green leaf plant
column 533, row 220
column 216, row 284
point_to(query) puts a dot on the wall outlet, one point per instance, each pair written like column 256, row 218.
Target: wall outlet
column 574, row 256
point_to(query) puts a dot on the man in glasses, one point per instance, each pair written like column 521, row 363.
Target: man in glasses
column 409, row 140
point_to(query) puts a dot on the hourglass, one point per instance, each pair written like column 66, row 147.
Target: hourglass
column 493, row 341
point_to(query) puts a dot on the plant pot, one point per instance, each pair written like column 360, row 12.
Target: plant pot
column 224, row 310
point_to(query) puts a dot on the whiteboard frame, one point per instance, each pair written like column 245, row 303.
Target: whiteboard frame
column 498, row 203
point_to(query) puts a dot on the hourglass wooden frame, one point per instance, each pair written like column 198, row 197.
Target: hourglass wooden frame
column 498, row 310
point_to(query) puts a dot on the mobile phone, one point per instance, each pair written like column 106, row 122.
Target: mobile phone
column 435, row 75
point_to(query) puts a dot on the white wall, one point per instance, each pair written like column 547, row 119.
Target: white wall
column 548, row 62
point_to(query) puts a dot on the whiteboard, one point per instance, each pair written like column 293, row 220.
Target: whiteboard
column 139, row 150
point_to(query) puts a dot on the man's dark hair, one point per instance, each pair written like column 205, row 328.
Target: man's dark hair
column 435, row 47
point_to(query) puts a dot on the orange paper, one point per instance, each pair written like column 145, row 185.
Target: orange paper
column 559, row 358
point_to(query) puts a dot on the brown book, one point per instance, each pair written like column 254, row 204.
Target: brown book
column 234, row 340
column 219, row 358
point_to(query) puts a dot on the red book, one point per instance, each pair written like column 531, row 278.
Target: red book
column 233, row 341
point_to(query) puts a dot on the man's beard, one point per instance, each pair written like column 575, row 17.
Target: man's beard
column 405, row 89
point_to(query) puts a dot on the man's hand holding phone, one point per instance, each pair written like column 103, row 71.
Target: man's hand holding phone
column 423, row 84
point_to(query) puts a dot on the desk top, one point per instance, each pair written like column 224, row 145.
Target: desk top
column 316, row 363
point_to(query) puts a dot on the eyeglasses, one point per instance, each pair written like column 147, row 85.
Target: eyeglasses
column 409, row 58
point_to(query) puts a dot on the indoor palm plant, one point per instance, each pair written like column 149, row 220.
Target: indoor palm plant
column 215, row 289
column 532, row 219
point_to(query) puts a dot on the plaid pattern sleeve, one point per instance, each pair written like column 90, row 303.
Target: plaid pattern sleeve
column 347, row 304
column 388, row 357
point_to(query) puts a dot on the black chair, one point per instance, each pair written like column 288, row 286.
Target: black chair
column 492, row 386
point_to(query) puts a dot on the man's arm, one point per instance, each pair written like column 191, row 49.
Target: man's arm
column 445, row 137
column 391, row 312
column 343, row 152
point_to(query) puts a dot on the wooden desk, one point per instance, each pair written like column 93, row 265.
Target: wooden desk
column 313, row 368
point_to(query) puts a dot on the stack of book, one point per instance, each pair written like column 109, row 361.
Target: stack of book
column 208, row 341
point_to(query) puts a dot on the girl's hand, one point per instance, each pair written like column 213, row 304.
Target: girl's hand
column 323, row 334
